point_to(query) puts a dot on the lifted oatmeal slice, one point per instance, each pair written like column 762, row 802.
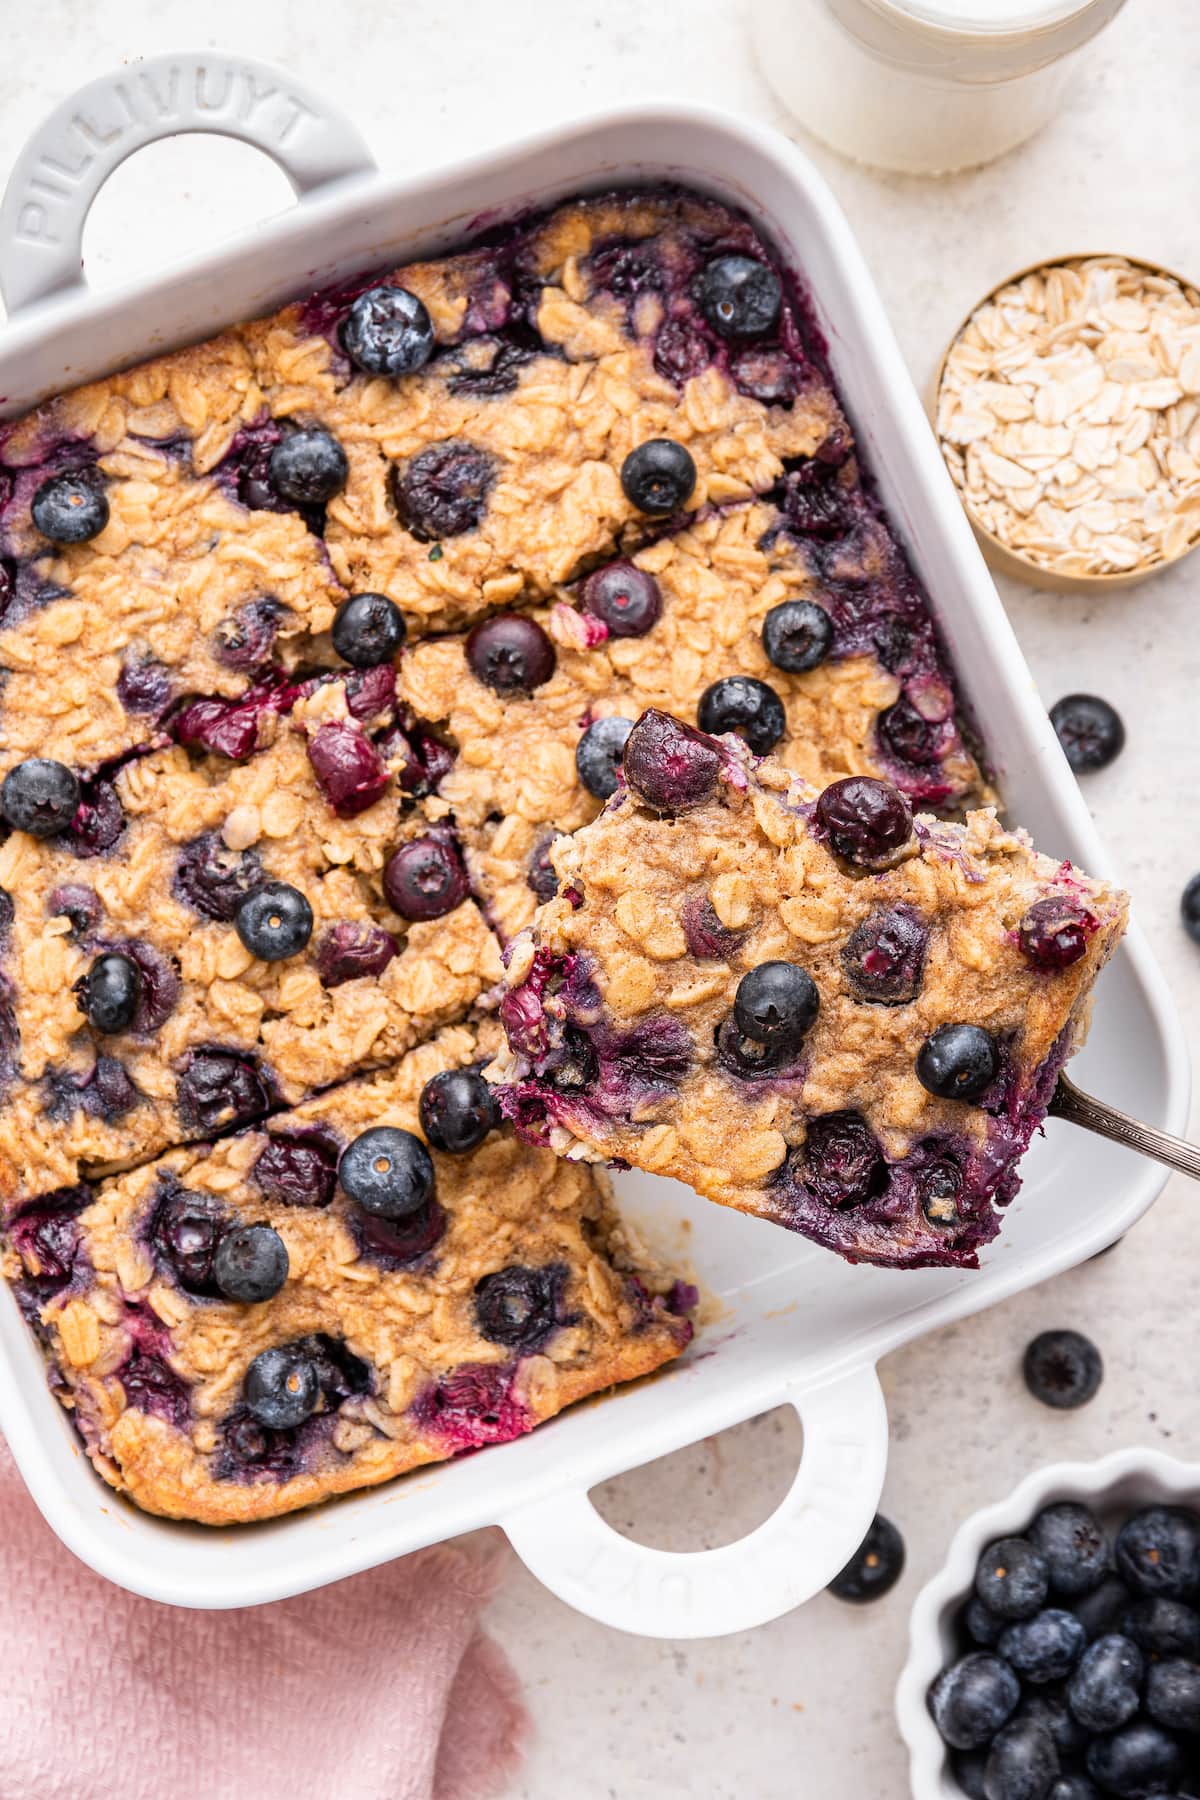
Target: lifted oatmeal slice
column 804, row 1003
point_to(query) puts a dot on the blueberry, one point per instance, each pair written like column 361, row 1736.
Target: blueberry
column 1045, row 1647
column 350, row 772
column 658, row 477
column 1062, row 1368
column 842, row 1163
column 940, row 1185
column 865, row 821
column 707, row 939
column 518, row 1307
column 213, row 879
column 797, row 635
column 109, row 992
column 351, row 950
column 143, row 686
column 388, row 331
column 274, row 922
column 1189, row 908
column 1158, row 1552
column 1075, row 1546
column 185, row 1231
column 510, row 654
column 1104, row 1608
column 1089, row 730
column 244, row 640
column 218, row 1089
column 776, row 1003
column 626, row 598
column 540, row 877
column 1140, row 1760
column 981, row 1626
column 282, row 1387
column 750, row 1058
column 739, row 297
column 958, row 1062
column 69, row 509
column 425, row 878
column 1172, row 1696
column 443, row 491
column 1012, row 1578
column 1047, row 1707
column 875, row 1567
column 972, row 1699
column 368, row 629
column 294, row 1171
column 1022, row 1763
column 308, row 467
column 389, row 1173
column 458, row 1109
column 681, row 351
column 598, row 755
column 911, row 737
column 1074, row 1787
column 399, row 1243
column 669, row 767
column 968, row 1767
column 40, row 797
column 98, row 823
column 741, row 703
column 884, row 957
column 1162, row 1627
column 1103, row 1691
column 1054, row 933
column 250, row 1264
column 151, row 1387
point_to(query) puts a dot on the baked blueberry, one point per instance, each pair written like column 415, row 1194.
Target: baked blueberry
column 144, row 686
column 388, row 1172
column 109, row 992
column 1075, row 1546
column 243, row 640
column 958, row 1062
column 1103, row 1692
column 1011, row 1578
column 668, row 766
column 1162, row 1627
column 913, row 738
column 776, row 1003
column 40, row 797
column 308, row 467
column 250, row 1264
column 218, row 1089
column 443, row 491
column 185, row 1231
column 1054, row 933
column 214, row 880
column 350, row 772
column 540, row 877
column 98, row 822
column 388, row 331
column 1089, row 730
column 884, row 957
column 841, row 1162
column 70, row 509
column 425, row 878
column 598, row 755
column 517, row 1306
column 658, row 477
column 510, row 654
column 1022, row 1762
column 353, row 949
column 274, row 922
column 294, row 1171
column 797, row 635
column 875, row 1567
column 743, row 704
column 1158, row 1552
column 1045, row 1647
column 1062, row 1368
column 865, row 821
column 368, row 629
column 624, row 597
column 972, row 1699
column 739, row 297
column 458, row 1109
column 1141, row 1760
column 282, row 1387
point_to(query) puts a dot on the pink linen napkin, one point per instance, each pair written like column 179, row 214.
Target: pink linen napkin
column 382, row 1687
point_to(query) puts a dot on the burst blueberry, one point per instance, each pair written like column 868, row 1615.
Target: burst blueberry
column 740, row 298
column 109, row 993
column 307, row 468
column 185, row 1231
column 457, row 1110
column 39, row 796
column 797, row 635
column 70, row 509
column 388, row 1172
column 658, row 477
column 669, row 767
column 250, row 1264
column 282, row 1387
column 1011, row 1578
column 388, row 331
column 425, row 878
column 214, row 880
column 368, row 629
column 624, row 597
column 884, row 957
column 875, row 1567
column 1089, row 730
column 1062, row 1369
column 841, row 1162
column 746, row 705
column 972, row 1699
column 598, row 755
column 1054, row 933
column 217, row 1089
column 865, row 821
column 517, row 1306
column 353, row 950
column 443, row 491
column 294, row 1171
column 510, row 654
column 958, row 1062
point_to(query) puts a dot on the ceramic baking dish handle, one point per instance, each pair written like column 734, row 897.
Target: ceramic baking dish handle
column 706, row 1593
column 73, row 153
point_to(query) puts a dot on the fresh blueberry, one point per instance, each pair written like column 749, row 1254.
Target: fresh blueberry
column 1022, row 1763
column 540, row 876
column 968, row 1768
column 626, row 598
column 213, row 879
column 1162, row 1627
column 282, row 1387
column 1103, row 1610
column 308, row 467
column 1074, row 1787
column 1172, row 1696
column 598, row 755
column 1012, row 1578
column 295, row 1171
column 797, row 635
column 1046, row 1647
column 388, row 331
column 1089, row 730
column 1189, row 908
column 40, row 797
column 1158, row 1552
column 981, row 1626
column 1047, row 1707
column 185, row 1231
column 70, row 509
column 218, row 1089
column 368, row 629
column 743, row 704
column 458, row 1109
column 250, row 1264
column 274, row 922
column 389, row 1173
column 1139, row 1761
column 351, row 950
column 350, row 772
column 1103, row 1692
column 1062, row 1368
column 1075, row 1546
column 958, row 1062
column 669, row 767
column 972, row 1699
column 1054, row 933
column 425, row 878
column 739, row 297
column 884, row 957
column 841, row 1162
column 776, row 1003
column 518, row 1307
column 110, row 991
column 443, row 491
column 510, row 654
column 865, row 821
column 875, row 1567
column 658, row 477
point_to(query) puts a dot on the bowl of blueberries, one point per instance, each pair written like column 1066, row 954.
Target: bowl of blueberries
column 1056, row 1656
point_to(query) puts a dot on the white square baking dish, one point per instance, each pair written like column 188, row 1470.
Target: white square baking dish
column 797, row 1326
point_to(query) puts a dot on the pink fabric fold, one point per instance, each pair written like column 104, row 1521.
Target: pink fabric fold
column 382, row 1687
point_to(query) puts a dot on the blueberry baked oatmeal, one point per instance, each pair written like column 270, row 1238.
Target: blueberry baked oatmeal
column 805, row 1003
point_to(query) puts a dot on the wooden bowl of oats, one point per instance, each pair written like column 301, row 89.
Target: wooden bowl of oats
column 1068, row 411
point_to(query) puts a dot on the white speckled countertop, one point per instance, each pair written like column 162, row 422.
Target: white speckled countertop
column 802, row 1708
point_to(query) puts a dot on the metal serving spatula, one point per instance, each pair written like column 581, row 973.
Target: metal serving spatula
column 1069, row 1102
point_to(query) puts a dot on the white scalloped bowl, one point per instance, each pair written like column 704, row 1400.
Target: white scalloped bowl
column 1116, row 1484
